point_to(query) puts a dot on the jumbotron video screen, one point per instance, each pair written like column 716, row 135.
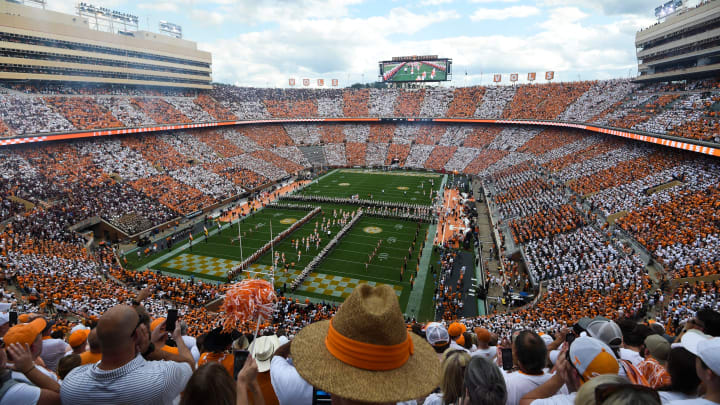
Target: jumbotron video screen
column 435, row 70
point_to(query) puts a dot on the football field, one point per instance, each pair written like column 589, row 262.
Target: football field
column 390, row 186
column 408, row 74
column 376, row 250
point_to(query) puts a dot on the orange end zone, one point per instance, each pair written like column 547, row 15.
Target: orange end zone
column 265, row 198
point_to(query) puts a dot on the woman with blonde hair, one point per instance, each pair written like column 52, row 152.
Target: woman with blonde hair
column 452, row 381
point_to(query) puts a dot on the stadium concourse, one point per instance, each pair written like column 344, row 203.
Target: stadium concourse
column 618, row 237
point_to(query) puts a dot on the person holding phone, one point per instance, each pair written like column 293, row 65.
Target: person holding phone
column 216, row 349
column 529, row 353
column 5, row 323
column 124, row 375
column 211, row 384
column 41, row 392
column 27, row 338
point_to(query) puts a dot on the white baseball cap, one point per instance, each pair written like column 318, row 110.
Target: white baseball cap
column 606, row 331
column 591, row 357
column 691, row 339
column 547, row 339
column 709, row 352
column 436, row 334
column 77, row 328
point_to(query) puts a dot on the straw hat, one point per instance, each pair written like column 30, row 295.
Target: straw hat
column 368, row 322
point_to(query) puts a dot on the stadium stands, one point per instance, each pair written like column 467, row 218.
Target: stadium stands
column 550, row 190
column 687, row 111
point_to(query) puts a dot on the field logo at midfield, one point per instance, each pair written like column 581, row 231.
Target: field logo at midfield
column 343, row 184
column 372, row 229
column 403, row 188
column 288, row 221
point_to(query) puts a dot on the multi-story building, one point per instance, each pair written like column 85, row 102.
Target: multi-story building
column 37, row 44
column 686, row 44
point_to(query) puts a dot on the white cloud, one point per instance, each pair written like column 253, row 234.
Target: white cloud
column 164, row 6
column 319, row 48
column 609, row 7
column 504, row 13
column 204, row 17
column 252, row 12
column 493, row 1
column 434, row 2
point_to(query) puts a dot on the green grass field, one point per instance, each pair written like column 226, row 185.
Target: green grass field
column 392, row 186
column 225, row 247
column 411, row 75
column 344, row 268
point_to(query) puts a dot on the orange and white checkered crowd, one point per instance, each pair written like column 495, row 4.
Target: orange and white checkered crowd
column 617, row 243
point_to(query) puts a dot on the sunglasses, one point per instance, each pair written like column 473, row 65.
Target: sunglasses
column 140, row 321
column 605, row 391
column 567, row 357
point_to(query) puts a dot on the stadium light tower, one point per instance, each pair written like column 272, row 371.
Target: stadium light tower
column 170, row 29
column 107, row 20
column 33, row 3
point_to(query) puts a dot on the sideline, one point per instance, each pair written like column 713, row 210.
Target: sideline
column 416, row 295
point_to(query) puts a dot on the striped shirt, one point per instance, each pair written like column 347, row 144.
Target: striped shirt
column 137, row 382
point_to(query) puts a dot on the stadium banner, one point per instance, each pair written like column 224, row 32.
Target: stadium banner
column 335, row 82
column 320, row 82
column 306, row 82
column 291, row 82
column 513, row 77
column 414, row 69
column 497, row 78
column 531, row 76
column 549, row 75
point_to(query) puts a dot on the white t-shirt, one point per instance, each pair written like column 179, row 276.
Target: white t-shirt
column 191, row 344
column 21, row 393
column 694, row 401
column 560, row 399
column 631, row 356
column 518, row 384
column 52, row 351
column 490, row 353
column 434, row 399
column 290, row 388
column 670, row 396
column 18, row 376
column 455, row 346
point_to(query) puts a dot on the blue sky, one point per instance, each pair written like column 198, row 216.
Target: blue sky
column 265, row 42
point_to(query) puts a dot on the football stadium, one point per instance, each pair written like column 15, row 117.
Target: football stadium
column 170, row 237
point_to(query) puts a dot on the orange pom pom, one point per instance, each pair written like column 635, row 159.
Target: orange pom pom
column 246, row 301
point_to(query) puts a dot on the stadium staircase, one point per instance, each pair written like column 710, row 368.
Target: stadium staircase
column 314, row 155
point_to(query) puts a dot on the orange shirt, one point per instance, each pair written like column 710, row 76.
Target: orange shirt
column 267, row 390
column 170, row 349
column 88, row 357
column 227, row 360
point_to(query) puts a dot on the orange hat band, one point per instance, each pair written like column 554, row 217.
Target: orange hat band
column 368, row 356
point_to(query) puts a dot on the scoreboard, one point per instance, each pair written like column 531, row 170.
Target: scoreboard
column 427, row 68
